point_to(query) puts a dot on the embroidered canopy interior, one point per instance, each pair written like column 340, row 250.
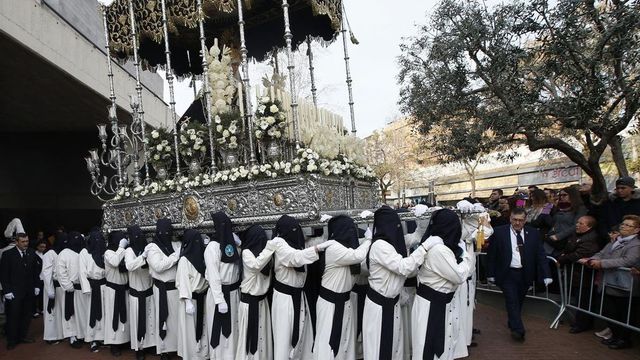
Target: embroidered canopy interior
column 319, row 19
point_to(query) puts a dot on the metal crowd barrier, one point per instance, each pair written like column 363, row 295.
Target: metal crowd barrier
column 576, row 281
column 556, row 299
column 597, row 285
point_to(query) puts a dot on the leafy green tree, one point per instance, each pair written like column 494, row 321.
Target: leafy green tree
column 548, row 75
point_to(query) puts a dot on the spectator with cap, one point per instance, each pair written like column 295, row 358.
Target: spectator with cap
column 625, row 200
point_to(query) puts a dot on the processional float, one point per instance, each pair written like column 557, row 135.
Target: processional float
column 253, row 154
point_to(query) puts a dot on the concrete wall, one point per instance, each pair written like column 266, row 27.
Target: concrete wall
column 40, row 28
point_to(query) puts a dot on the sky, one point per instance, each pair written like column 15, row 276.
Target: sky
column 379, row 26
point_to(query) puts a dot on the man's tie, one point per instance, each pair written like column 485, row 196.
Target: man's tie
column 520, row 244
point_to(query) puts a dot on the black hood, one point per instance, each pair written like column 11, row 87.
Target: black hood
column 387, row 227
column 193, row 249
column 289, row 229
column 164, row 235
column 445, row 224
column 76, row 240
column 96, row 246
column 224, row 236
column 255, row 239
column 345, row 231
column 137, row 240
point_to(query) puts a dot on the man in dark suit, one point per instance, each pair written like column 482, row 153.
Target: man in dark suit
column 515, row 260
column 19, row 276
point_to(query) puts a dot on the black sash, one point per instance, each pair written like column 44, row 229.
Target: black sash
column 434, row 338
column 163, row 306
column 296, row 298
column 68, row 302
column 200, row 305
column 411, row 282
column 386, row 334
column 51, row 303
column 142, row 309
column 252, row 320
column 95, row 309
column 338, row 300
column 222, row 322
column 361, row 291
column 119, row 304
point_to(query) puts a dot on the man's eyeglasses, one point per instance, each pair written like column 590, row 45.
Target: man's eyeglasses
column 627, row 225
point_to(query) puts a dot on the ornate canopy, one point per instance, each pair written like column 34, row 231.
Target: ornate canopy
column 264, row 24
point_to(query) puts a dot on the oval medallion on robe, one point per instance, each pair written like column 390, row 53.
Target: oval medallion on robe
column 229, row 250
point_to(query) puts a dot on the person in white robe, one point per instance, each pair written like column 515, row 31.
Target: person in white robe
column 293, row 335
column 92, row 281
column 223, row 263
column 472, row 225
column 163, row 255
column 52, row 292
column 115, row 293
column 408, row 293
column 446, row 266
column 75, row 303
column 389, row 266
column 141, row 306
column 335, row 323
column 192, row 288
column 254, row 317
column 359, row 294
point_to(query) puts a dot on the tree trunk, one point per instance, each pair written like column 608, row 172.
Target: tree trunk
column 618, row 156
column 471, row 171
column 599, row 190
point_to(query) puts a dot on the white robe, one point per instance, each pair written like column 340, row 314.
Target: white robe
column 188, row 281
column 221, row 273
column 140, row 280
column 337, row 277
column 68, row 270
column 387, row 272
column 282, row 316
column 163, row 268
column 122, row 335
column 362, row 279
column 89, row 270
column 442, row 273
column 408, row 294
column 53, row 320
column 255, row 283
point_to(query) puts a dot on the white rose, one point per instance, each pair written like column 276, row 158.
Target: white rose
column 270, row 120
column 156, row 157
column 265, row 100
column 159, row 147
column 296, row 168
column 226, row 133
column 273, row 108
column 218, row 120
column 155, row 134
column 274, row 175
column 219, row 128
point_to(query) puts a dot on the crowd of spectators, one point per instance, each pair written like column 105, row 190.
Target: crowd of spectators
column 601, row 236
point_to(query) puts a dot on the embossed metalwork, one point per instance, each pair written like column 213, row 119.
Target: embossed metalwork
column 261, row 202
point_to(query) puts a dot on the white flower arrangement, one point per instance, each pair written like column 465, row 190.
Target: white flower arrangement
column 306, row 161
column 192, row 143
column 221, row 80
column 270, row 121
column 159, row 145
column 226, row 130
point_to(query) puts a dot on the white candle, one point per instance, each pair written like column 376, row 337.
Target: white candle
column 271, row 96
column 240, row 99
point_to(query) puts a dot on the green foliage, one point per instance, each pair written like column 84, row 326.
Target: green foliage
column 546, row 76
